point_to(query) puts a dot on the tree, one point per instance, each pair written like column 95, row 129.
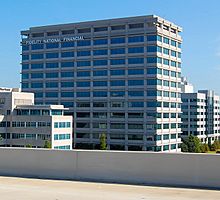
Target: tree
column 47, row 144
column 216, row 145
column 28, row 146
column 103, row 145
column 204, row 148
column 191, row 144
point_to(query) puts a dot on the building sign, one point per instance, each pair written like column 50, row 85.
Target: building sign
column 54, row 40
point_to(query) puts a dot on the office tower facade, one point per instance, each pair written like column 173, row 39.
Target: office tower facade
column 24, row 124
column 120, row 77
column 201, row 115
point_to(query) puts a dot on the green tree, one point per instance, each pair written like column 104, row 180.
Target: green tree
column 103, row 145
column 204, row 148
column 216, row 145
column 47, row 144
column 28, row 146
column 191, row 144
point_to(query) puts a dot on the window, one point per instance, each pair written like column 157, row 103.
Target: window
column 136, row 50
column 166, row 40
column 37, row 56
column 135, row 104
column 117, row 40
column 83, row 84
column 154, row 60
column 51, row 84
column 117, row 61
column 117, row 126
column 83, row 94
column 52, row 45
column 100, row 62
column 99, row 104
column 25, row 76
column 152, row 48
column 83, row 53
column 100, row 83
column 83, row 43
column 135, row 82
column 37, row 66
column 83, row 63
column 100, row 41
column 67, row 94
column 173, row 63
column 118, row 27
column 173, row 53
column 25, row 47
column 67, row 84
column 100, row 52
column 99, row 29
column 83, row 73
column 100, row 73
column 152, row 38
column 25, row 66
column 37, row 85
column 138, row 25
column 135, row 93
column 135, row 71
column 68, row 32
column 118, row 51
column 135, row 126
column 100, row 94
column 52, row 55
column 25, row 57
column 67, row 64
column 166, row 83
column 117, row 93
column 166, row 72
column 52, row 75
column 166, row 51
column 135, row 60
column 67, row 74
column 52, row 65
column 67, row 44
column 84, row 30
column 173, row 43
column 117, row 83
column 67, row 54
column 166, row 61
column 136, row 39
column 51, row 94
column 37, row 46
column 117, row 72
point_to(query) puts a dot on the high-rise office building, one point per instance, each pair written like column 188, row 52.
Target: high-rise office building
column 120, row 77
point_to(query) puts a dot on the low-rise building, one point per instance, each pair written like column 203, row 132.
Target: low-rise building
column 24, row 124
column 200, row 113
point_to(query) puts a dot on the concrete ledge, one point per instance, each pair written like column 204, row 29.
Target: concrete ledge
column 167, row 169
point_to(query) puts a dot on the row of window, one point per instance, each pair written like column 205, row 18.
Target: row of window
column 62, row 136
column 62, row 124
column 31, row 124
column 103, row 115
column 100, row 29
column 134, row 93
column 116, row 51
column 134, row 126
column 104, row 41
column 38, row 112
column 65, row 147
column 28, row 136
column 114, row 83
column 104, row 62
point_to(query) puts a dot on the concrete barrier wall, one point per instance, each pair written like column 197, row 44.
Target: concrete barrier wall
column 198, row 170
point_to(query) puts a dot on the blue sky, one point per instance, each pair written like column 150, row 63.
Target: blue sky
column 199, row 19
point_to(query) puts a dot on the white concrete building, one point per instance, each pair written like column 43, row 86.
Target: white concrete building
column 200, row 115
column 22, row 123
